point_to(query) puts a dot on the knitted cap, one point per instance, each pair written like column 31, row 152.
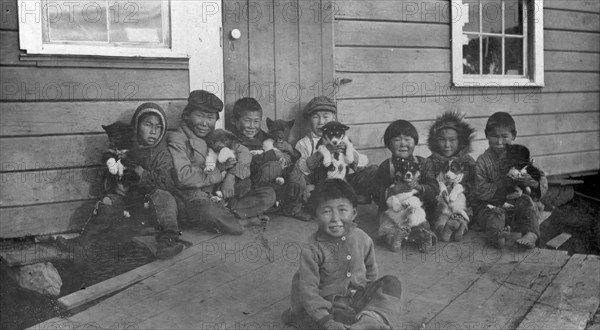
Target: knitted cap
column 203, row 101
column 320, row 103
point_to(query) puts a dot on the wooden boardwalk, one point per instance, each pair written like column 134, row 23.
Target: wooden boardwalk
column 227, row 282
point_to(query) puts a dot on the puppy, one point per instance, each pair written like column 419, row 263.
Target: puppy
column 222, row 144
column 334, row 133
column 450, row 219
column 519, row 161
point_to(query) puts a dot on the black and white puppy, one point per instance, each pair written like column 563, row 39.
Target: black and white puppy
column 334, row 133
column 452, row 193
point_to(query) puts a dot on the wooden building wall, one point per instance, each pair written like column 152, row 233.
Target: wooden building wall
column 51, row 137
column 393, row 61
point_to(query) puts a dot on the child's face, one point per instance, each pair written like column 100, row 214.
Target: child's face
column 320, row 118
column 447, row 141
column 149, row 130
column 249, row 123
column 498, row 138
column 335, row 216
column 402, row 146
column 201, row 122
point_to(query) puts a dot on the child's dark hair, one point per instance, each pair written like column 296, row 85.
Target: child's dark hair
column 246, row 104
column 328, row 190
column 400, row 127
column 501, row 119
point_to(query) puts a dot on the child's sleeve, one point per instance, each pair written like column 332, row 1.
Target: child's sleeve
column 468, row 181
column 304, row 149
column 316, row 306
column 188, row 175
column 540, row 191
column 160, row 175
column 486, row 189
column 370, row 262
column 429, row 182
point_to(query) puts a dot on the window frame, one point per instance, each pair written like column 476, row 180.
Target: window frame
column 31, row 37
column 535, row 58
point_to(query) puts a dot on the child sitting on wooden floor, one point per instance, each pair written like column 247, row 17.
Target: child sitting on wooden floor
column 336, row 286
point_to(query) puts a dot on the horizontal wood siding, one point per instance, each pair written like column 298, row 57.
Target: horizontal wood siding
column 393, row 61
column 51, row 137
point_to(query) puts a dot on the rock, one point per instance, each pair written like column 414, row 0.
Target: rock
column 41, row 277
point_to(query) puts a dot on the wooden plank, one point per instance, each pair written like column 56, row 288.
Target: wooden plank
column 310, row 65
column 552, row 164
column 52, row 185
column 570, row 61
column 571, row 299
column 44, row 219
column 9, row 20
column 89, row 61
column 328, row 28
column 9, row 49
column 33, row 118
column 95, row 84
column 502, row 296
column 592, row 6
column 263, row 80
column 569, row 20
column 471, row 102
column 21, row 254
column 287, row 62
column 431, row 11
column 391, row 34
column 218, row 263
column 124, row 280
column 557, row 241
column 235, row 53
column 571, row 41
column 366, row 136
column 358, row 59
column 416, row 84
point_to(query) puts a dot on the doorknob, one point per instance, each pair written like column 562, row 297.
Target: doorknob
column 235, row 34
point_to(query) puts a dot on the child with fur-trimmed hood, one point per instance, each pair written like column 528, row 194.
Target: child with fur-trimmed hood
column 449, row 139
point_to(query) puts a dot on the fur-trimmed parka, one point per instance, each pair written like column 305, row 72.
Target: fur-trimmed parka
column 435, row 163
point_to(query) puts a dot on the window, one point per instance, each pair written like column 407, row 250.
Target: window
column 497, row 42
column 96, row 27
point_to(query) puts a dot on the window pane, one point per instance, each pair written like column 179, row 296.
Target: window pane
column 136, row 21
column 514, row 56
column 473, row 24
column 76, row 21
column 491, row 16
column 513, row 17
column 471, row 55
column 492, row 55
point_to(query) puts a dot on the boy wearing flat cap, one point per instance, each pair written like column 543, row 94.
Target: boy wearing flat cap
column 319, row 111
column 189, row 150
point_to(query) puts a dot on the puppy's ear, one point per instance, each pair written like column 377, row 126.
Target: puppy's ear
column 290, row 123
column 232, row 137
column 270, row 124
column 344, row 127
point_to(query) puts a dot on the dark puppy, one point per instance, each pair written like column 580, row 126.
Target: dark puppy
column 519, row 163
column 334, row 134
column 119, row 158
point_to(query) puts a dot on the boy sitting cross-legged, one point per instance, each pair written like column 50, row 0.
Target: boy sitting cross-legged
column 336, row 286
column 497, row 211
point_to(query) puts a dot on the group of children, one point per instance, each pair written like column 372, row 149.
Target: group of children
column 337, row 285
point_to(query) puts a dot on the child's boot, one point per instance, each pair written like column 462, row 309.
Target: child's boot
column 397, row 239
column 369, row 320
column 461, row 230
column 168, row 245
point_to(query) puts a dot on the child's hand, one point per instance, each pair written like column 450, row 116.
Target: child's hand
column 339, row 148
column 334, row 325
column 283, row 146
column 227, row 165
column 313, row 161
column 139, row 170
column 227, row 188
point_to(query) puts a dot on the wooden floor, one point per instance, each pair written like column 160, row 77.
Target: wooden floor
column 227, row 282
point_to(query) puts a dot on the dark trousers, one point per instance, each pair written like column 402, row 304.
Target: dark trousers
column 362, row 181
column 382, row 296
column 291, row 192
column 522, row 218
column 214, row 216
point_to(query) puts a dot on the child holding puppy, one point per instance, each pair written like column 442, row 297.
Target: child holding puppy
column 336, row 286
column 400, row 138
column 450, row 140
column 319, row 111
column 492, row 212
